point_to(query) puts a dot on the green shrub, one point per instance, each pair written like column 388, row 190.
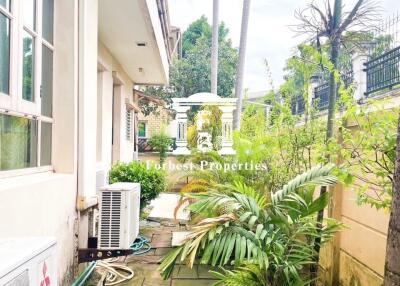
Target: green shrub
column 152, row 181
column 161, row 143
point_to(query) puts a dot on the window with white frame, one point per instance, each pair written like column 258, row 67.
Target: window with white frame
column 128, row 125
column 26, row 83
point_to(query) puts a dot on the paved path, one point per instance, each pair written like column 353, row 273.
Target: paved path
column 145, row 266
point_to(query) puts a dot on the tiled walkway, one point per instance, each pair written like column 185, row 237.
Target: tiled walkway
column 145, row 266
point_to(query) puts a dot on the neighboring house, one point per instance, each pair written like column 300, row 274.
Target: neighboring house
column 255, row 96
column 67, row 108
column 154, row 122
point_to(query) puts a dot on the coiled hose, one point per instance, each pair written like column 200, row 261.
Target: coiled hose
column 114, row 273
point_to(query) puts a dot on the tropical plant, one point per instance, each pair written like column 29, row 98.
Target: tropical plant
column 161, row 143
column 152, row 180
column 272, row 236
column 213, row 125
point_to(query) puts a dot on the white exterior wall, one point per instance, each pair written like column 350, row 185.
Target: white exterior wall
column 44, row 204
column 104, row 125
column 85, row 75
column 117, row 82
column 23, row 214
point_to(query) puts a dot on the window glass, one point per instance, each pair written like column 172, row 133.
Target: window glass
column 5, row 4
column 45, row 144
column 18, row 142
column 47, row 20
column 29, row 7
column 47, row 81
column 142, row 129
column 28, row 67
column 4, row 54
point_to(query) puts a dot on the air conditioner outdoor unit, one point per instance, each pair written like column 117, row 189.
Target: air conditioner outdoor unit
column 28, row 262
column 119, row 215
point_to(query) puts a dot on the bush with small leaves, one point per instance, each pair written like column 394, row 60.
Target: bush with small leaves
column 161, row 143
column 152, row 180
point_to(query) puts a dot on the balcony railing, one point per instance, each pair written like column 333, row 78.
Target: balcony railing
column 383, row 72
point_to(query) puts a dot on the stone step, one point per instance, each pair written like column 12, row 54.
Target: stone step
column 163, row 207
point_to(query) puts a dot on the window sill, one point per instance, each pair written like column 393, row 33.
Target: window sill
column 25, row 171
column 29, row 180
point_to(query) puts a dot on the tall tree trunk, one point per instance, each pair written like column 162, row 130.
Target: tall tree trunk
column 335, row 46
column 241, row 63
column 214, row 51
column 392, row 264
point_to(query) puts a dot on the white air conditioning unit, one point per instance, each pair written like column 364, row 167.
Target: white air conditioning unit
column 28, row 262
column 119, row 215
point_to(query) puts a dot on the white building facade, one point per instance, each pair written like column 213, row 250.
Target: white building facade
column 67, row 111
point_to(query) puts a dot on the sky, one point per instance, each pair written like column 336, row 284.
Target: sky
column 269, row 34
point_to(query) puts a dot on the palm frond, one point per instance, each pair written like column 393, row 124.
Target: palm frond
column 242, row 188
column 250, row 275
column 319, row 175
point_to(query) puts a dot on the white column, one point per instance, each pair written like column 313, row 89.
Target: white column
column 360, row 76
column 181, row 135
column 313, row 83
column 87, row 111
column 87, row 101
column 227, row 129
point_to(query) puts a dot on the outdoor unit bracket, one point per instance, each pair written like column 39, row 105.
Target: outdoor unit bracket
column 85, row 203
column 92, row 254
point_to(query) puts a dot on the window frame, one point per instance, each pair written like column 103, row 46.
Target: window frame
column 145, row 129
column 129, row 133
column 13, row 103
column 5, row 99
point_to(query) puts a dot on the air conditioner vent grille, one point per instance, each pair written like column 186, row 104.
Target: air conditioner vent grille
column 110, row 219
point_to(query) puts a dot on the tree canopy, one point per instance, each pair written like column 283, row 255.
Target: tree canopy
column 192, row 73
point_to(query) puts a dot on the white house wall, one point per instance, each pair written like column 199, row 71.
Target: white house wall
column 119, row 83
column 43, row 203
column 125, row 23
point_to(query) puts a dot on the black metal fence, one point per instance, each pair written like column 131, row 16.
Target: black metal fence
column 383, row 72
column 321, row 92
column 321, row 96
column 298, row 106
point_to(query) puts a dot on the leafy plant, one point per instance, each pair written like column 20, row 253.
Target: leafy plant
column 367, row 149
column 161, row 143
column 272, row 236
column 152, row 180
column 253, row 121
column 211, row 123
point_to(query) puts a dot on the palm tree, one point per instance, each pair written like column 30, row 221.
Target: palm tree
column 319, row 22
column 214, row 50
column 241, row 63
column 268, row 235
column 392, row 265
